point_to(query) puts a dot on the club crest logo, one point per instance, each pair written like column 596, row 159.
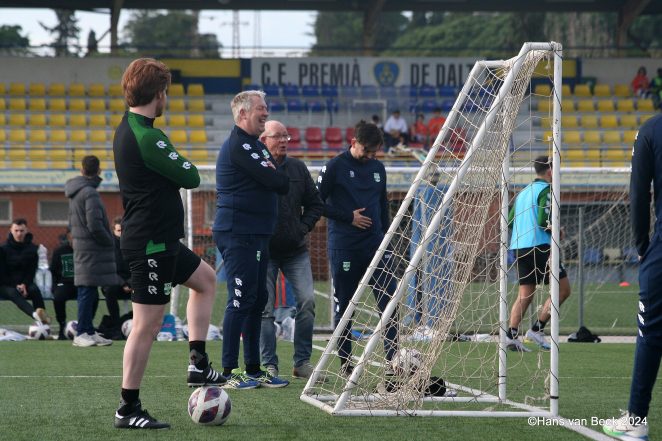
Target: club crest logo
column 386, row 73
column 346, row 265
column 351, row 173
column 167, row 288
column 377, row 177
column 258, row 255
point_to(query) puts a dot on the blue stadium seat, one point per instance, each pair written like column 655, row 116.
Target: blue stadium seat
column 296, row 105
column 290, row 90
column 276, row 106
column 388, row 92
column 349, row 92
column 427, row 91
column 332, row 105
column 271, row 90
column 447, row 105
column 369, row 91
column 447, row 91
column 406, row 91
column 316, row 106
column 251, row 87
column 310, row 91
column 427, row 106
column 329, row 91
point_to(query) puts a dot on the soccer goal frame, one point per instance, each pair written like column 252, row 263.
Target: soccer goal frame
column 346, row 398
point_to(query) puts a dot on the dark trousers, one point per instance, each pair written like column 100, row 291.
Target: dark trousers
column 347, row 269
column 88, row 298
column 113, row 294
column 649, row 319
column 245, row 258
column 11, row 293
column 62, row 292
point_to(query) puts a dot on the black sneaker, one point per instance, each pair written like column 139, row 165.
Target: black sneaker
column 346, row 369
column 138, row 419
column 202, row 377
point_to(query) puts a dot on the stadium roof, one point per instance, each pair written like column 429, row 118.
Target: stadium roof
column 624, row 6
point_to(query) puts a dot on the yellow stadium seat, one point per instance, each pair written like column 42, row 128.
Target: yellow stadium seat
column 176, row 90
column 645, row 105
column 198, row 137
column 115, row 120
column 177, row 121
column 39, row 165
column 585, row 106
column 592, row 137
column 57, row 105
column 195, row 90
column 37, row 89
column 37, row 154
column 545, row 122
column 78, row 136
column 57, row 120
column 3, row 120
column 160, row 122
column 58, row 136
column 37, row 105
column 196, row 105
column 3, row 105
column 17, row 104
column 569, row 122
column 581, row 157
column 115, row 90
column 79, row 120
column 37, row 136
column 583, row 90
column 540, row 89
column 3, row 135
column 622, row 90
column 568, row 105
column 98, row 136
column 59, row 164
column 56, row 89
column 37, row 120
column 98, row 120
column 199, row 121
column 79, row 153
column 102, row 154
column 616, row 156
column 16, row 152
column 629, row 121
column 625, row 105
column 17, row 135
column 589, row 121
column 97, row 105
column 117, row 105
column 602, row 90
column 178, row 137
column 612, row 137
column 176, row 105
column 606, row 106
column 609, row 121
column 565, row 90
column 76, row 89
column 198, row 155
column 547, row 136
column 17, row 89
column 572, row 137
column 77, row 105
column 543, row 106
column 18, row 120
column 3, row 89
column 96, row 90
column 629, row 136
column 58, row 154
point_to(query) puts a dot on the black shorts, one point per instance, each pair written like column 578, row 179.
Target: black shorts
column 153, row 276
column 532, row 265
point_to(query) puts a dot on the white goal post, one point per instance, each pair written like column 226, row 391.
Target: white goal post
column 454, row 214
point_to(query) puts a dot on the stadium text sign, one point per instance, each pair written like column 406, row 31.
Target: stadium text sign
column 366, row 71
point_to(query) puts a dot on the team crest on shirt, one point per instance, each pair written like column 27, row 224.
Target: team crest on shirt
column 246, row 146
column 351, row 173
column 258, row 255
column 255, row 155
column 265, row 153
column 346, row 265
column 167, row 288
column 377, row 177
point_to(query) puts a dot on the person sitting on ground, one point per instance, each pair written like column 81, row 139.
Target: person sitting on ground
column 19, row 261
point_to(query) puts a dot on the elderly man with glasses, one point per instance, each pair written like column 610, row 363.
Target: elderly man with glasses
column 298, row 211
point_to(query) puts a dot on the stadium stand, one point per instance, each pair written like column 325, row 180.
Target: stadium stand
column 313, row 137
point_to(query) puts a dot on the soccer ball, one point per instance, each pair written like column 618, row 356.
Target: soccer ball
column 71, row 330
column 39, row 332
column 126, row 327
column 209, row 406
column 407, row 361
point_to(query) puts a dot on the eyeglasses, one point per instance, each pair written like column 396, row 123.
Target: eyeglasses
column 281, row 137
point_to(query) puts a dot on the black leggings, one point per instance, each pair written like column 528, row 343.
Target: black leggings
column 11, row 293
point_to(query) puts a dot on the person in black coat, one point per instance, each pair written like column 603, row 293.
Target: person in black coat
column 19, row 265
column 120, row 291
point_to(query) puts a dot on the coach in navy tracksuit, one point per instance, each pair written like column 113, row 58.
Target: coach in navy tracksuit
column 353, row 187
column 646, row 168
column 247, row 185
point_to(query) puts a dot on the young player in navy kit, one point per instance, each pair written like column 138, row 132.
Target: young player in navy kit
column 353, row 188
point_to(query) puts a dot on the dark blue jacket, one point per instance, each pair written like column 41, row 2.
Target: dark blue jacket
column 646, row 167
column 346, row 184
column 246, row 187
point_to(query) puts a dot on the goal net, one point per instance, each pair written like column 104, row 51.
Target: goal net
column 438, row 347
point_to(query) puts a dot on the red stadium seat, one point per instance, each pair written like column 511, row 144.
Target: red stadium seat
column 313, row 138
column 295, row 141
column 333, row 137
column 349, row 134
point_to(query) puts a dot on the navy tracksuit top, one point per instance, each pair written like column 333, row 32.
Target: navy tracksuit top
column 346, row 184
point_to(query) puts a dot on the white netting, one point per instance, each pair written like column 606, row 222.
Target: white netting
column 440, row 262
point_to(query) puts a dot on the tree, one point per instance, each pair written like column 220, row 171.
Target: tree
column 12, row 42
column 168, row 34
column 341, row 33
column 66, row 33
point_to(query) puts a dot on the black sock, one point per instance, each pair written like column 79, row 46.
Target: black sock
column 198, row 356
column 538, row 326
column 253, row 369
column 129, row 402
